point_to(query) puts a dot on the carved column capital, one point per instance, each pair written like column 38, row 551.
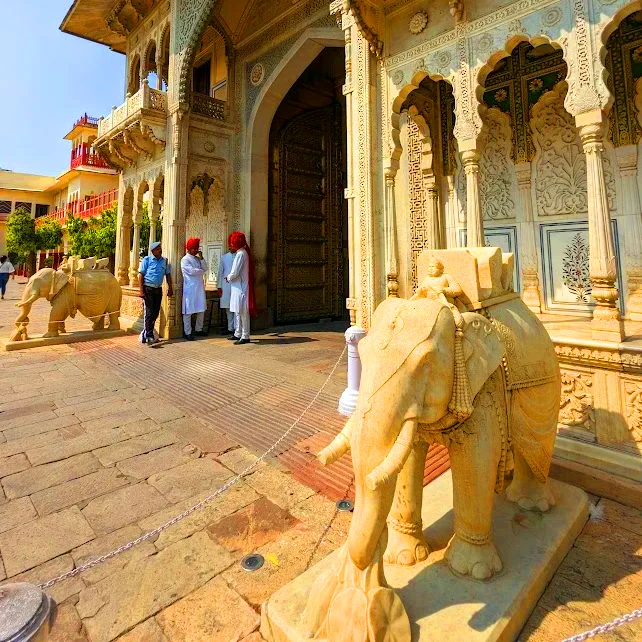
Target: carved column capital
column 524, row 174
column 470, row 160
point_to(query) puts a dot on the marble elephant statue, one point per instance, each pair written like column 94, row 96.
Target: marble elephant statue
column 91, row 292
column 485, row 386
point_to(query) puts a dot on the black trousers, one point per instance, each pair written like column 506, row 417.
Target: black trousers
column 153, row 298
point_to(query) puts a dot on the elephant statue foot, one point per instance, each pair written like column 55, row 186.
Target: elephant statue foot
column 405, row 548
column 99, row 323
column 480, row 561
column 348, row 603
column 527, row 491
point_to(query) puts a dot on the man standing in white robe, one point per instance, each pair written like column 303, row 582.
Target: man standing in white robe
column 193, row 269
column 242, row 295
column 225, row 288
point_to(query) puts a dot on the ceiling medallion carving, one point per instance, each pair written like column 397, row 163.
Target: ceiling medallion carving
column 257, row 74
column 418, row 23
column 126, row 15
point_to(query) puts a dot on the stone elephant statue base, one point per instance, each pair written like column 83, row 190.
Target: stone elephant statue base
column 94, row 293
column 487, row 386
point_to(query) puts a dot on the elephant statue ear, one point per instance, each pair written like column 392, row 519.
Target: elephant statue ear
column 483, row 350
column 58, row 281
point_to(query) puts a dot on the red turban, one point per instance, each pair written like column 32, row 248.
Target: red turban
column 237, row 241
column 193, row 244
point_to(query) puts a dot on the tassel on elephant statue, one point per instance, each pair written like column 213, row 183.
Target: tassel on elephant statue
column 94, row 293
column 486, row 386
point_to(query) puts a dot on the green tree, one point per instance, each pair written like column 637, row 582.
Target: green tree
column 95, row 236
column 48, row 235
column 21, row 237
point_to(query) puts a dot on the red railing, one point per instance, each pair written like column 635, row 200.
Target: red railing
column 85, row 120
column 83, row 156
column 83, row 209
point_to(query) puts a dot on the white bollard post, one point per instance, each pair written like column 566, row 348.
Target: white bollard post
column 348, row 401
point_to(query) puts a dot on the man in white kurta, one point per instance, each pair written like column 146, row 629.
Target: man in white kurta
column 239, row 279
column 193, row 268
column 225, row 288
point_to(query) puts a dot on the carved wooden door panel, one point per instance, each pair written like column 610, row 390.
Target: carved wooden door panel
column 307, row 215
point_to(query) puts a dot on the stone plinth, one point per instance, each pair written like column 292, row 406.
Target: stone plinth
column 68, row 337
column 446, row 608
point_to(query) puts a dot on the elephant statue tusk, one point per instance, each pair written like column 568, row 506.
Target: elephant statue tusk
column 396, row 458
column 339, row 446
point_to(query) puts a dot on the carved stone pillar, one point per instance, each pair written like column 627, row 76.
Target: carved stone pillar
column 433, row 242
column 528, row 244
column 474, row 214
column 627, row 157
column 392, row 263
column 607, row 322
column 451, row 214
column 134, row 259
column 123, row 224
column 360, row 126
column 153, row 211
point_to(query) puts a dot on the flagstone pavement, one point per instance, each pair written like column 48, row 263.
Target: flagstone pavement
column 103, row 441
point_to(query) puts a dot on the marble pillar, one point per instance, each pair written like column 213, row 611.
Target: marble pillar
column 474, row 213
column 607, row 322
column 134, row 259
column 528, row 244
column 392, row 263
column 627, row 157
column 451, row 215
column 433, row 231
column 123, row 234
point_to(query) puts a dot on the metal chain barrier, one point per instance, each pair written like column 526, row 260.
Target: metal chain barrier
column 196, row 507
column 605, row 628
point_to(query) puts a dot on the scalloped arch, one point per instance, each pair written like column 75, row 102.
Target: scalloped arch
column 205, row 18
column 395, row 117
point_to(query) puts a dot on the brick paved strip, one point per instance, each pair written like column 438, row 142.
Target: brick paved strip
column 121, row 507
column 17, row 512
column 203, row 436
column 18, row 421
column 142, row 466
column 145, row 587
column 41, row 477
column 28, row 409
column 59, row 450
column 133, row 447
column 23, row 445
column 44, row 425
column 78, row 490
column 43, row 539
column 13, row 464
column 62, row 590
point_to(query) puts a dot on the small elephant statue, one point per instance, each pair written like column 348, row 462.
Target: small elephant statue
column 93, row 293
column 485, row 385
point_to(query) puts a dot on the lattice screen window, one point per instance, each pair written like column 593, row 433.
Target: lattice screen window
column 415, row 183
column 5, row 207
column 26, row 206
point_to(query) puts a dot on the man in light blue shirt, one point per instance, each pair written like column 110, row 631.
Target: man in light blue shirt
column 153, row 269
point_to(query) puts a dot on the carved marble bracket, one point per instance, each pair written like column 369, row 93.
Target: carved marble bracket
column 363, row 17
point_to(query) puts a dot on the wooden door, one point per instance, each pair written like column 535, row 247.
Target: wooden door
column 307, row 217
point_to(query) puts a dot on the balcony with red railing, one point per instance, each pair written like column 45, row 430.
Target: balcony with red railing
column 86, row 121
column 88, row 208
column 84, row 156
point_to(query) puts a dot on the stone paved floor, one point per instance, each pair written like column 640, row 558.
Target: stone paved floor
column 103, row 441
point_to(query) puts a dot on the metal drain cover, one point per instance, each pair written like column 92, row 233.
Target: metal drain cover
column 345, row 506
column 252, row 562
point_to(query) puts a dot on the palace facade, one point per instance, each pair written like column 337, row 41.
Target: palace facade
column 347, row 137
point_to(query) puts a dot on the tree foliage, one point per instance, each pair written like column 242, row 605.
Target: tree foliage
column 21, row 235
column 95, row 236
column 48, row 235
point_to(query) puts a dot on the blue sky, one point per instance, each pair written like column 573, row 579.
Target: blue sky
column 48, row 79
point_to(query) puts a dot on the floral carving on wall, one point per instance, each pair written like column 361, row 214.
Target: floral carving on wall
column 418, row 23
column 196, row 223
column 497, row 179
column 560, row 164
column 576, row 403
column 633, row 400
column 575, row 269
column 216, row 218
